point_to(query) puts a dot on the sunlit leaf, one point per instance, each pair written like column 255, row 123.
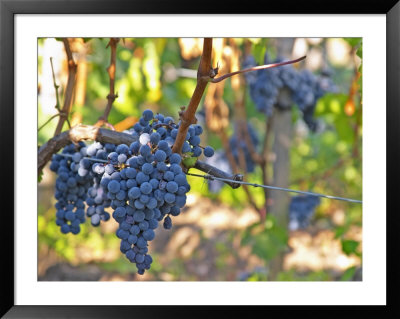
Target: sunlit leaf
column 348, row 274
column 349, row 246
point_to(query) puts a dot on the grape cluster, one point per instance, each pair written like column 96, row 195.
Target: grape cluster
column 71, row 188
column 301, row 209
column 218, row 160
column 238, row 145
column 143, row 183
column 309, row 89
column 304, row 87
column 264, row 85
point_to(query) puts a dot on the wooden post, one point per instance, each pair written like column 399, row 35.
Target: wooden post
column 282, row 137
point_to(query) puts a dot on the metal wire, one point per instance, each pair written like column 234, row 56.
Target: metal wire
column 210, row 177
column 88, row 158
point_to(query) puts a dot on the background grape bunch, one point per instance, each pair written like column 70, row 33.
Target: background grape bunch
column 238, row 144
column 301, row 210
column 143, row 183
column 305, row 87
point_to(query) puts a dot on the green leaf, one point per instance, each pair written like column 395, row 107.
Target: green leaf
column 341, row 230
column 359, row 52
column 40, row 176
column 189, row 161
column 352, row 41
column 349, row 246
column 348, row 274
column 266, row 242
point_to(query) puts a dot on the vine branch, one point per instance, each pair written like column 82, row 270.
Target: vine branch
column 254, row 68
column 70, row 88
column 57, row 106
column 203, row 75
column 56, row 86
column 48, row 121
column 111, row 73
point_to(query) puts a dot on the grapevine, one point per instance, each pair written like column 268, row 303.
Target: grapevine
column 139, row 176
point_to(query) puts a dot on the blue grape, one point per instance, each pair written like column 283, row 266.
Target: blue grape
column 167, row 222
column 175, row 158
column 172, row 187
column 160, row 156
column 146, row 188
column 169, row 176
column 147, row 115
column 163, row 145
column 180, row 179
column 145, row 150
column 122, row 149
column 197, row 151
column 169, row 198
column 148, row 234
column 95, row 220
column 208, row 151
column 122, row 158
column 139, row 216
column 113, row 186
column 144, row 138
column 147, row 168
column 142, row 178
column 155, row 138
column 144, row 225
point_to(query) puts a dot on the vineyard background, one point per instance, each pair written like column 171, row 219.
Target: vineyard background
column 223, row 235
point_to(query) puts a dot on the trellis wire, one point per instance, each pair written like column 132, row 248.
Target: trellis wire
column 88, row 158
column 210, row 177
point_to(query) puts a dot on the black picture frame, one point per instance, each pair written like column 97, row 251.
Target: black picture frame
column 8, row 10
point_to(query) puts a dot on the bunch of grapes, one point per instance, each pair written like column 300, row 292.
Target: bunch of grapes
column 264, row 85
column 238, row 144
column 309, row 89
column 304, row 87
column 301, row 209
column 218, row 160
column 143, row 183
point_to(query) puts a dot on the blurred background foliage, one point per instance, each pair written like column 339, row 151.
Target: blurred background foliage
column 219, row 235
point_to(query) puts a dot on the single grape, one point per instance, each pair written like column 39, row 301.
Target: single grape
column 208, row 151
